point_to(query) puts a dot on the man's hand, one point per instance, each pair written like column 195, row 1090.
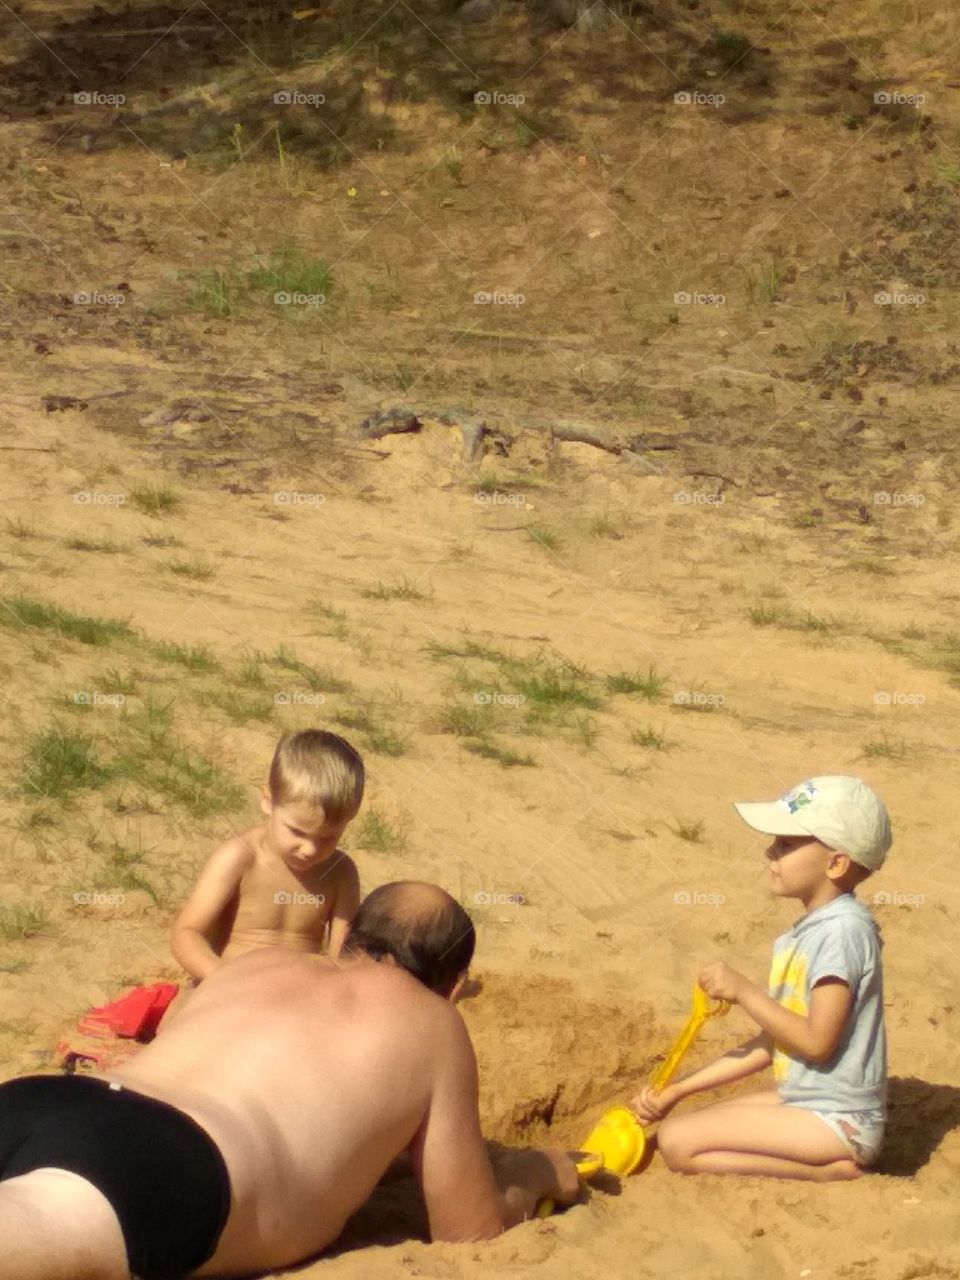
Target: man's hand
column 720, row 982
column 651, row 1105
column 566, row 1186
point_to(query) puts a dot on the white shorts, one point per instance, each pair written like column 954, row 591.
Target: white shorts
column 861, row 1132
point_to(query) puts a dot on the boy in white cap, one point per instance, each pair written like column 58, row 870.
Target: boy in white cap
column 821, row 1023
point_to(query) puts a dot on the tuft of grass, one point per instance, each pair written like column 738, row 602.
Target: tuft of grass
column 885, row 748
column 692, row 832
column 337, row 618
column 83, row 544
column 60, row 762
column 238, row 709
column 876, row 568
column 155, row 499
column 212, row 293
column 163, row 765
column 317, row 679
column 376, row 833
column 768, row 615
column 403, row 590
column 586, row 729
column 466, row 721
column 199, row 570
column 764, row 287
column 193, row 657
column 544, row 537
column 650, row 738
column 604, row 527
column 23, row 611
column 649, row 684
column 378, row 738
column 549, row 686
column 288, row 271
column 17, row 527
column 122, row 870
column 504, row 756
column 775, row 614
column 251, row 674
column 21, row 922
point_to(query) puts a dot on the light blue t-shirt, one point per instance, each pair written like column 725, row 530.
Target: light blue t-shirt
column 838, row 940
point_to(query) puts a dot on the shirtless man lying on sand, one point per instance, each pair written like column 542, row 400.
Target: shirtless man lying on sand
column 195, row 1158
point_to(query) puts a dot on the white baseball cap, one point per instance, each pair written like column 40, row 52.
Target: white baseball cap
column 842, row 812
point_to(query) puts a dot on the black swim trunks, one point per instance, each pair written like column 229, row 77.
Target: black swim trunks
column 162, row 1173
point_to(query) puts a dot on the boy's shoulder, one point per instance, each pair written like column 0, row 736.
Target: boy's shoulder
column 846, row 916
column 240, row 849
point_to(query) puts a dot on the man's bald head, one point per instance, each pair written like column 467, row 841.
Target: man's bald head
column 426, row 932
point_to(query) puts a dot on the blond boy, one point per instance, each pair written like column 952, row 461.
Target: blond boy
column 283, row 883
column 821, row 1022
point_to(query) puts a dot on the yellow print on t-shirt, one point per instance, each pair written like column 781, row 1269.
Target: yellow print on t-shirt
column 788, row 984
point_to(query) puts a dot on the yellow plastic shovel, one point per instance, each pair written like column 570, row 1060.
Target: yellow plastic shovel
column 618, row 1140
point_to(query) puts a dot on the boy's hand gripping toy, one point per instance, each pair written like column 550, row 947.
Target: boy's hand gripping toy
column 618, row 1142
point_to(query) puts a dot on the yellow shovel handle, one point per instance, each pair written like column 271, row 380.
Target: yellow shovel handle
column 701, row 1010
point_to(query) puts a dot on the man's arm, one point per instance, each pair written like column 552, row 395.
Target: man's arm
column 346, row 903
column 813, row 1035
column 451, row 1164
column 194, row 925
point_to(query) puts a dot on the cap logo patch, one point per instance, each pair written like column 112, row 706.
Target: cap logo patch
column 799, row 797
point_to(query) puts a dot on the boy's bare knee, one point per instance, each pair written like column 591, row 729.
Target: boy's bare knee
column 670, row 1145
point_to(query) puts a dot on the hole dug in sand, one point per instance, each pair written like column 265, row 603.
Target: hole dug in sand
column 551, row 1061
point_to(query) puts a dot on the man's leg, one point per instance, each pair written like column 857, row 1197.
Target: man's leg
column 57, row 1226
column 759, row 1136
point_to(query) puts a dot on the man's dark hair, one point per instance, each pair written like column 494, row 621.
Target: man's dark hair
column 426, row 931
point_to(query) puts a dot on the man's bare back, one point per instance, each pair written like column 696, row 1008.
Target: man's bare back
column 308, row 1076
column 328, row 1073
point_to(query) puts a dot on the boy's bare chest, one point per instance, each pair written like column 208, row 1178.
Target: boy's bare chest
column 274, row 897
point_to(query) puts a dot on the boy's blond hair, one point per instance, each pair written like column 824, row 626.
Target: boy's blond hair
column 319, row 768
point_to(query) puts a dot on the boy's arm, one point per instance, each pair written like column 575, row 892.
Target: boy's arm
column 755, row 1055
column 217, row 884
column 346, row 904
column 813, row 1035
column 745, row 1060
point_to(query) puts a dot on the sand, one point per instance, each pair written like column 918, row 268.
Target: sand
column 594, row 915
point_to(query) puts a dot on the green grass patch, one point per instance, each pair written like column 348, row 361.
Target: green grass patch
column 60, row 762
column 287, row 272
column 17, row 923
column 122, row 869
column 544, row 537
column 192, row 657
column 376, row 833
column 24, row 612
column 885, row 748
column 648, row 684
column 504, row 756
column 403, row 590
column 85, row 544
column 19, row 528
column 380, row 738
column 198, row 570
column 317, row 679
column 180, row 775
column 155, row 499
column 237, row 708
column 650, row 739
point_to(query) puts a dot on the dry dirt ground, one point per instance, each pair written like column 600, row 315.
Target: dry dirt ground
column 668, row 522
